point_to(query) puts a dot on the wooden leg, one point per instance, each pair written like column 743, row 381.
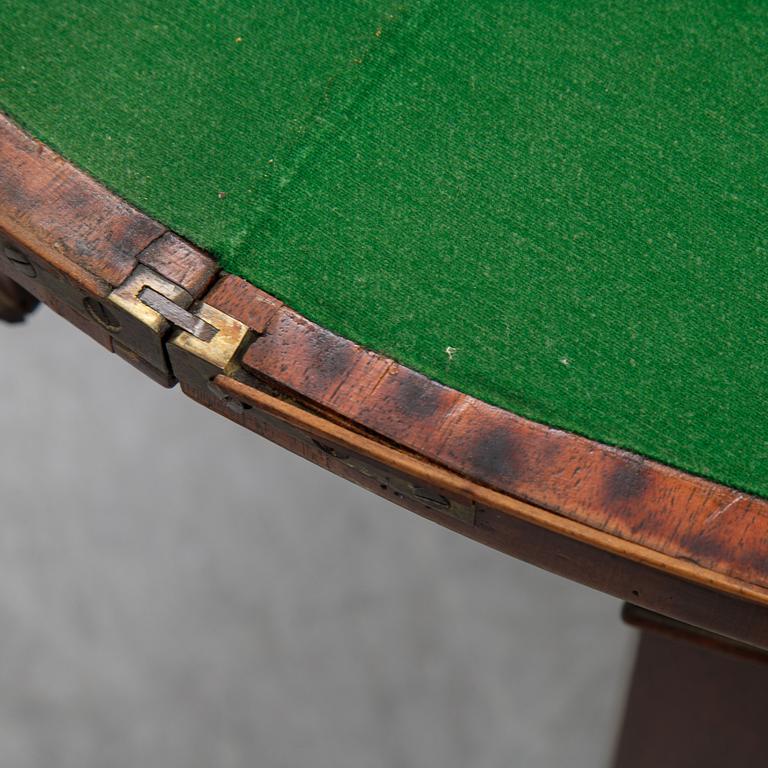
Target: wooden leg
column 15, row 302
column 694, row 702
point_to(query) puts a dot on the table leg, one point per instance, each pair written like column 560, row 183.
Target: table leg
column 695, row 701
column 15, row 302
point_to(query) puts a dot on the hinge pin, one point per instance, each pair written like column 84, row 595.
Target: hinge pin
column 167, row 333
column 177, row 315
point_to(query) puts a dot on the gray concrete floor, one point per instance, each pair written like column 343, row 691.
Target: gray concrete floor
column 175, row 591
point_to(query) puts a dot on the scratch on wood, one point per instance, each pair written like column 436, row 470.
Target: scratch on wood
column 720, row 512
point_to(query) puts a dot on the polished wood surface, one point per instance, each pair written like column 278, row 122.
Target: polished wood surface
column 511, row 526
column 634, row 499
column 670, row 541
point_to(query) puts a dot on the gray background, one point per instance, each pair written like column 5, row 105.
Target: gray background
column 175, row 591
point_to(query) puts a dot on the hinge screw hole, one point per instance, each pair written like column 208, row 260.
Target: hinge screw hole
column 18, row 260
column 101, row 315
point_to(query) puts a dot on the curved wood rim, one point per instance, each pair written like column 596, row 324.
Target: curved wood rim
column 84, row 241
column 418, row 467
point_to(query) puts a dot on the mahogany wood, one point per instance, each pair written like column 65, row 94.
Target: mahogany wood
column 79, row 242
column 676, row 543
column 509, row 525
column 610, row 490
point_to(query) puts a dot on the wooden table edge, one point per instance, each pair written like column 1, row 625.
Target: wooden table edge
column 673, row 542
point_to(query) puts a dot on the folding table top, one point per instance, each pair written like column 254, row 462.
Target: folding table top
column 559, row 208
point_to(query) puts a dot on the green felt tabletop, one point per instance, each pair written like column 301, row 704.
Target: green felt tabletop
column 558, row 207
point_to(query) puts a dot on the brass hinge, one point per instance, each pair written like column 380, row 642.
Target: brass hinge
column 164, row 325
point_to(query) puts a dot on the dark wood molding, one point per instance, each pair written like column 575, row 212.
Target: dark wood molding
column 545, row 539
column 611, row 491
column 676, row 543
column 649, row 621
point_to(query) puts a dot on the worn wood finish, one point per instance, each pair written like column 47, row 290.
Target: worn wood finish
column 180, row 262
column 673, row 542
column 74, row 242
column 609, row 490
column 570, row 475
column 495, row 519
column 59, row 212
column 691, row 706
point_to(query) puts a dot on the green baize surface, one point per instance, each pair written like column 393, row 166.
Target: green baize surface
column 558, row 207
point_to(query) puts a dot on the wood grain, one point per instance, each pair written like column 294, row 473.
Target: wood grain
column 180, row 262
column 547, row 540
column 673, row 542
column 57, row 211
column 612, row 491
column 79, row 242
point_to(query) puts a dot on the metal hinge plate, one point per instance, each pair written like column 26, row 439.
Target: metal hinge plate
column 220, row 350
column 163, row 323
